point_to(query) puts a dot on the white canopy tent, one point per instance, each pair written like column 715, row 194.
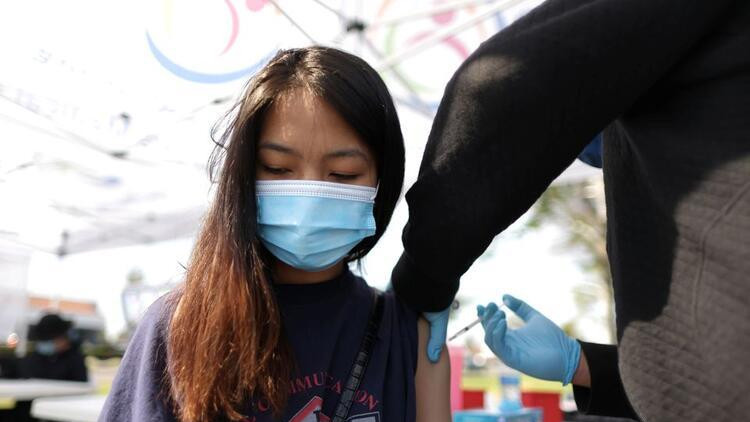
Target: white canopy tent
column 106, row 107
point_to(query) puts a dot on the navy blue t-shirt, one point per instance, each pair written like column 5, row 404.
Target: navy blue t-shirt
column 324, row 324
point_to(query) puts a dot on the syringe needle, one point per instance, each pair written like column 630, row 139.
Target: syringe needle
column 469, row 327
column 465, row 329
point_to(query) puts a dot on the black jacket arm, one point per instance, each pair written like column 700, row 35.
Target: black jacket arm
column 517, row 113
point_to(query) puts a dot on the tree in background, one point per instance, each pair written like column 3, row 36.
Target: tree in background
column 578, row 209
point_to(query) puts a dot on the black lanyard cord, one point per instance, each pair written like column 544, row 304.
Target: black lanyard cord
column 360, row 362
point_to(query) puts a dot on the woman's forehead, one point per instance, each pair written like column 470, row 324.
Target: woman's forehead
column 303, row 121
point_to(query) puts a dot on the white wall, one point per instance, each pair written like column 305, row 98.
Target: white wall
column 14, row 265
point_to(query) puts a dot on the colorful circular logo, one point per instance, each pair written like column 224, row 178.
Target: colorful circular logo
column 210, row 45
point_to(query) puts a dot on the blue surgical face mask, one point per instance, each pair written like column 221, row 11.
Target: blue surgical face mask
column 312, row 225
column 45, row 347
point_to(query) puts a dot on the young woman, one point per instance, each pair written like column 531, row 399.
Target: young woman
column 270, row 323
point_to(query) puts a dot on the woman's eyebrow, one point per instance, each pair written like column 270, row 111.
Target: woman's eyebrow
column 278, row 147
column 352, row 152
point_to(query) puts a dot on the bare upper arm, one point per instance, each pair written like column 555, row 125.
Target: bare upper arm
column 432, row 381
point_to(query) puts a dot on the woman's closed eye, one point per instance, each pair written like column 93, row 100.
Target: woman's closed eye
column 344, row 176
column 275, row 170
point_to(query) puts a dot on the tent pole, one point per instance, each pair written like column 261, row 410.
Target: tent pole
column 442, row 34
column 441, row 8
column 293, row 22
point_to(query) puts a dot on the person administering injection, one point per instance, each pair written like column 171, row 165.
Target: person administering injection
column 667, row 82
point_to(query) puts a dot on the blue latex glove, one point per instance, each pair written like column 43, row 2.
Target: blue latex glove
column 438, row 332
column 539, row 348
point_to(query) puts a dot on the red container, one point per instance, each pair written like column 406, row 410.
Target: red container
column 550, row 402
column 473, row 399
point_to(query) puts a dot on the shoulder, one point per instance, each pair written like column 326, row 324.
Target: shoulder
column 138, row 391
column 398, row 319
column 402, row 326
column 154, row 323
column 147, row 345
column 148, row 342
column 403, row 313
column 160, row 312
column 394, row 308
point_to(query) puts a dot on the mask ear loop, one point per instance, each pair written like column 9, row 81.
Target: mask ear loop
column 348, row 257
column 375, row 195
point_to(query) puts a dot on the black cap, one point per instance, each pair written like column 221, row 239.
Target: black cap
column 49, row 327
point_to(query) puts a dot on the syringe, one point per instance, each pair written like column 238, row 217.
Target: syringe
column 470, row 326
column 465, row 329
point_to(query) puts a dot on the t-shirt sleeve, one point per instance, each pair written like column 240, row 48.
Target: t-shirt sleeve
column 406, row 320
column 401, row 324
column 139, row 391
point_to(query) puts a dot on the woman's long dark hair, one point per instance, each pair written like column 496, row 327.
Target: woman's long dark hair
column 225, row 341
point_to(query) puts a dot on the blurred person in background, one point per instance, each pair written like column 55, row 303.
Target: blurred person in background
column 271, row 324
column 55, row 355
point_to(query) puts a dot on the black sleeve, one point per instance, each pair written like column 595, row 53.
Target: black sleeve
column 517, row 113
column 606, row 397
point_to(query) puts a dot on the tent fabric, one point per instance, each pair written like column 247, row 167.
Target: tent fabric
column 107, row 128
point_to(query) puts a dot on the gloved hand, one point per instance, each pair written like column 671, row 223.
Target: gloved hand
column 438, row 332
column 539, row 348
